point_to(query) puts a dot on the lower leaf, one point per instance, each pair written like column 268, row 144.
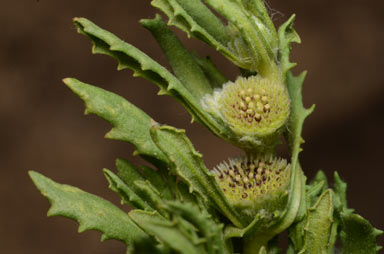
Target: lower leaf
column 358, row 236
column 90, row 211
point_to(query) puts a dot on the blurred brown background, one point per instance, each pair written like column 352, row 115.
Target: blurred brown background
column 43, row 127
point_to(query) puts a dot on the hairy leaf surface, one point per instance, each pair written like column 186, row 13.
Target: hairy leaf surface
column 188, row 164
column 90, row 211
column 129, row 123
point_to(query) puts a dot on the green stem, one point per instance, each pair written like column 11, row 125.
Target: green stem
column 253, row 243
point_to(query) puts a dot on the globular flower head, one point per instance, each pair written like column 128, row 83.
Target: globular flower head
column 255, row 183
column 254, row 108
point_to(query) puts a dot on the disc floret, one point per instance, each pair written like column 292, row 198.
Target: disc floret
column 254, row 108
column 254, row 183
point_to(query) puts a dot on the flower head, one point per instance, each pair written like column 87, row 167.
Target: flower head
column 254, row 108
column 254, row 183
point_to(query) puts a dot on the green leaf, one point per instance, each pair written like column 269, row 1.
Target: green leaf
column 148, row 246
column 287, row 35
column 247, row 41
column 164, row 230
column 129, row 123
column 157, row 180
column 215, row 77
column 297, row 116
column 318, row 185
column 210, row 231
column 183, row 194
column 182, row 62
column 313, row 191
column 259, row 10
column 340, row 188
column 255, row 34
column 130, row 57
column 273, row 246
column 127, row 55
column 358, row 236
column 151, row 195
column 133, row 188
column 318, row 225
column 298, row 203
column 90, row 211
column 295, row 126
column 126, row 193
column 195, row 19
column 128, row 173
column 188, row 165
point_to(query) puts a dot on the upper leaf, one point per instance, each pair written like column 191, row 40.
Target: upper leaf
column 259, row 41
column 129, row 123
column 90, row 211
column 250, row 39
column 194, row 18
column 130, row 57
column 182, row 62
column 287, row 35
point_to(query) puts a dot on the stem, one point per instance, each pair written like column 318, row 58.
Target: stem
column 254, row 242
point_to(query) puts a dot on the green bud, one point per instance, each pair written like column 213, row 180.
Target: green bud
column 254, row 184
column 254, row 108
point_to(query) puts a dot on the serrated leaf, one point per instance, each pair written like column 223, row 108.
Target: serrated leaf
column 247, row 41
column 313, row 191
column 128, row 173
column 259, row 10
column 129, row 123
column 130, row 57
column 195, row 19
column 215, row 77
column 148, row 246
column 287, row 35
column 318, row 225
column 126, row 193
column 318, row 185
column 149, row 193
column 340, row 188
column 294, row 129
column 210, row 231
column 164, row 230
column 358, row 236
column 182, row 62
column 188, row 165
column 157, row 180
column 257, row 37
column 90, row 211
column 297, row 115
column 183, row 194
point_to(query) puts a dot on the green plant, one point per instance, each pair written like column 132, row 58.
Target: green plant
column 242, row 205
